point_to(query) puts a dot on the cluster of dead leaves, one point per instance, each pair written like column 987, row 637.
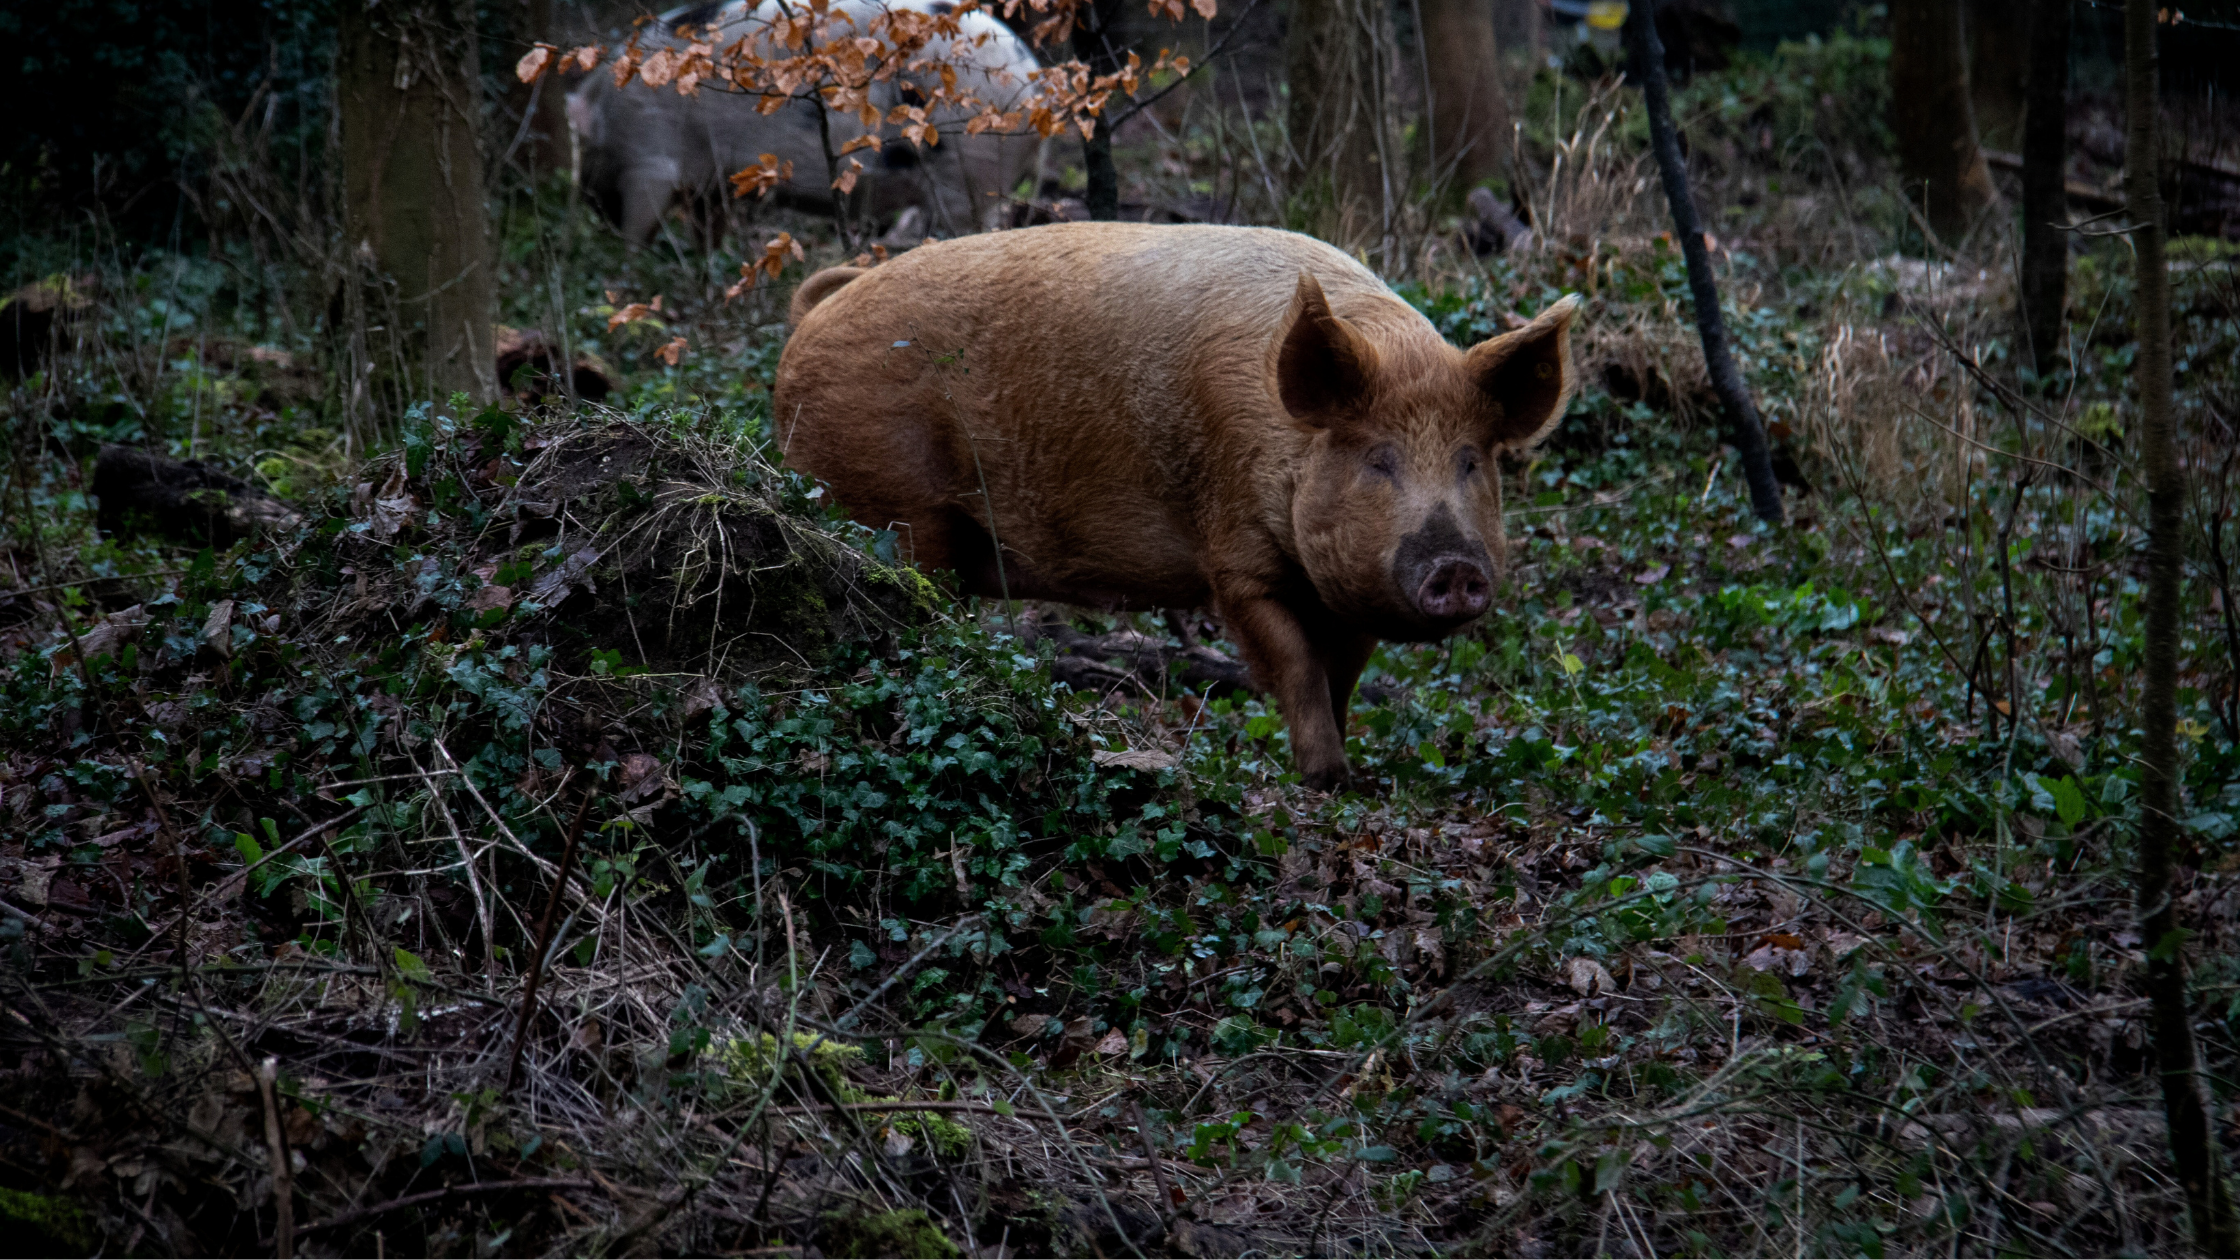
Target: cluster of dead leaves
column 811, row 51
column 775, row 252
column 762, row 178
column 630, row 313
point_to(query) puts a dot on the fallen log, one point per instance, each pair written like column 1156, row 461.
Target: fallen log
column 1493, row 228
column 527, row 367
column 186, row 500
column 2202, row 198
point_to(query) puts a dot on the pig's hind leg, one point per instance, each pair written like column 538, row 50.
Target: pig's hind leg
column 946, row 537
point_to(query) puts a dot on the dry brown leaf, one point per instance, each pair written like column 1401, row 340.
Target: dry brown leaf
column 640, row 776
column 1588, row 978
column 217, row 629
column 1133, row 758
column 1774, row 958
column 532, row 65
column 112, row 632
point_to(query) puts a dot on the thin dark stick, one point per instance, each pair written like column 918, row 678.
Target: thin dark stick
column 238, row 878
column 427, row 1197
column 179, row 851
column 2045, row 209
column 1092, row 44
column 2195, row 1152
column 1158, row 1171
column 2223, row 568
column 544, row 936
column 1137, row 107
column 1747, row 432
column 959, row 1106
column 276, row 1141
column 2008, row 623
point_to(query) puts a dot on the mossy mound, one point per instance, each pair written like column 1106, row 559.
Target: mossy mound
column 909, row 1232
column 628, row 547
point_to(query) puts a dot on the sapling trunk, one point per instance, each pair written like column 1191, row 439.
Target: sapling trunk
column 1744, row 427
column 2185, row 1099
column 1093, row 31
column 2045, row 202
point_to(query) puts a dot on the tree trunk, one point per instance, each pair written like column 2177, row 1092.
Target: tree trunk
column 1999, row 61
column 1938, row 151
column 1466, row 119
column 1334, row 61
column 2045, row 203
column 409, row 96
column 1095, row 41
column 2185, row 1096
column 1516, row 26
column 1646, row 52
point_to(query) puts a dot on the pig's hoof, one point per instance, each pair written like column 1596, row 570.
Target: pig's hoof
column 1326, row 778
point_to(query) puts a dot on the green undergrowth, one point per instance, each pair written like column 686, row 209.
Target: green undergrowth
column 1715, row 833
column 1676, row 710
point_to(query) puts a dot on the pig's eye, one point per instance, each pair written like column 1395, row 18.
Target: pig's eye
column 1466, row 464
column 1384, row 461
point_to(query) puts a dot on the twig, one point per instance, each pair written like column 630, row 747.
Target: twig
column 1207, row 60
column 959, row 1106
column 544, row 934
column 904, row 970
column 232, row 883
column 35, row 1122
column 1158, row 1169
column 1748, row 432
column 2013, row 455
column 12, row 591
column 651, row 1220
column 276, row 1140
column 467, row 780
column 178, row 851
column 428, row 1197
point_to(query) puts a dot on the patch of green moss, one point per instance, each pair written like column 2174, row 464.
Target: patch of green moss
column 948, row 1138
column 909, row 1232
column 53, row 1223
column 917, row 600
column 751, row 1059
column 748, row 1061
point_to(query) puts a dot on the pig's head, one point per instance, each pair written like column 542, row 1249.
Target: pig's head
column 1397, row 508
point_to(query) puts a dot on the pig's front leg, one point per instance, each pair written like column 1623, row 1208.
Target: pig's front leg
column 1286, row 663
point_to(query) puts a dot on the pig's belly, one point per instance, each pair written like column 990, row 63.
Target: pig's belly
column 1126, row 556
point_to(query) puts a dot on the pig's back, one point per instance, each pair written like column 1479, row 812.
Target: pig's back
column 1165, row 329
column 1111, row 383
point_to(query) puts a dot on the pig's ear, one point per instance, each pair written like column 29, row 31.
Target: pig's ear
column 1525, row 376
column 1325, row 367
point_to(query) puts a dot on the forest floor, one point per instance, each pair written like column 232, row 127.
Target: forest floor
column 1732, row 889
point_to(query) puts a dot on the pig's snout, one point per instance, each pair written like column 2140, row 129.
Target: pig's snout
column 1456, row 589
column 1443, row 573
